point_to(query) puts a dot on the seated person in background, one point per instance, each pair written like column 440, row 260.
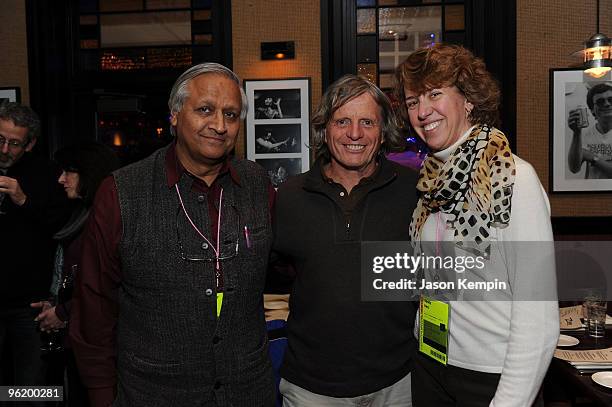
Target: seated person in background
column 594, row 146
column 84, row 168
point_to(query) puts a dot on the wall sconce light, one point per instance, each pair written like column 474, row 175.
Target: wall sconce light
column 597, row 53
column 278, row 50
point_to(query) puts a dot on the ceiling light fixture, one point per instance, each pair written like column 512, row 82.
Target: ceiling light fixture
column 597, row 53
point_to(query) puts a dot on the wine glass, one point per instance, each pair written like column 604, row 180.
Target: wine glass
column 49, row 341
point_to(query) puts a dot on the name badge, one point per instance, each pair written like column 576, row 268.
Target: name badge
column 433, row 329
column 219, row 303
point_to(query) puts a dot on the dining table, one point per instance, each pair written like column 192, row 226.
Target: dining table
column 578, row 383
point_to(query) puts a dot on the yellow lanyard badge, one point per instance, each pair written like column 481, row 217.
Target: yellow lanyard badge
column 219, row 303
column 433, row 329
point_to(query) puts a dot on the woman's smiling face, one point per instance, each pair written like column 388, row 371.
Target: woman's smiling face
column 439, row 116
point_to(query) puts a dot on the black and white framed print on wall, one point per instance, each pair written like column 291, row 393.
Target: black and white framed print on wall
column 580, row 131
column 278, row 126
column 10, row 94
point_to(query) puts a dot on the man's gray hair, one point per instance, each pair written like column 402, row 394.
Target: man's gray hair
column 179, row 92
column 22, row 116
column 338, row 94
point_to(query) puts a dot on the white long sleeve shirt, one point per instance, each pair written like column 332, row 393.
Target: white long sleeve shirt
column 516, row 338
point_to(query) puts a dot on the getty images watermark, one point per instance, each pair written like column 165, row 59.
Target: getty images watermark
column 507, row 271
column 412, row 263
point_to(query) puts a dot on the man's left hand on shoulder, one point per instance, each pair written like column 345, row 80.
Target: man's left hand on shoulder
column 10, row 186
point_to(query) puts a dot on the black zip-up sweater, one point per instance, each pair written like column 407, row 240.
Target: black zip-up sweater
column 339, row 345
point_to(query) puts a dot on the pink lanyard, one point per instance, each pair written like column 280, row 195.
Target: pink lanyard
column 216, row 250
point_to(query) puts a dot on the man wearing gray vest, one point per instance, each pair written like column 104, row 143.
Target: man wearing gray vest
column 169, row 302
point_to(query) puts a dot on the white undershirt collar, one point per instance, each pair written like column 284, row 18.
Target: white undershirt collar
column 444, row 154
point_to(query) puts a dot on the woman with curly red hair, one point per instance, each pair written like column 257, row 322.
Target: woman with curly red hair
column 478, row 199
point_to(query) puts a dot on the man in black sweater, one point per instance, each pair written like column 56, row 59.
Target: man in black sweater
column 342, row 350
column 32, row 208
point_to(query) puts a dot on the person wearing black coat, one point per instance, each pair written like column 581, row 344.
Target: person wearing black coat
column 84, row 167
column 32, row 208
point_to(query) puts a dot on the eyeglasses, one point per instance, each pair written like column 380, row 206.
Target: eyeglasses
column 602, row 101
column 12, row 142
column 228, row 247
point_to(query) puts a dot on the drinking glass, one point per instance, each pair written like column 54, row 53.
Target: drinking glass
column 595, row 316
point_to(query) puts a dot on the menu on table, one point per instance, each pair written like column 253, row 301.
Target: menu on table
column 569, row 317
column 589, row 356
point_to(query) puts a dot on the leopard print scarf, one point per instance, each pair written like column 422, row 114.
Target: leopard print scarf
column 474, row 187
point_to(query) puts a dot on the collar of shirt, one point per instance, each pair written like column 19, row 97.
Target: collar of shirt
column 362, row 182
column 174, row 171
column 317, row 181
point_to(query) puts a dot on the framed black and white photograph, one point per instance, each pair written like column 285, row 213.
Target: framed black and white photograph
column 580, row 131
column 278, row 138
column 10, row 94
column 277, row 127
column 277, row 104
column 279, row 169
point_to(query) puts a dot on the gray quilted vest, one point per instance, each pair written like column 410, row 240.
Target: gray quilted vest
column 172, row 349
